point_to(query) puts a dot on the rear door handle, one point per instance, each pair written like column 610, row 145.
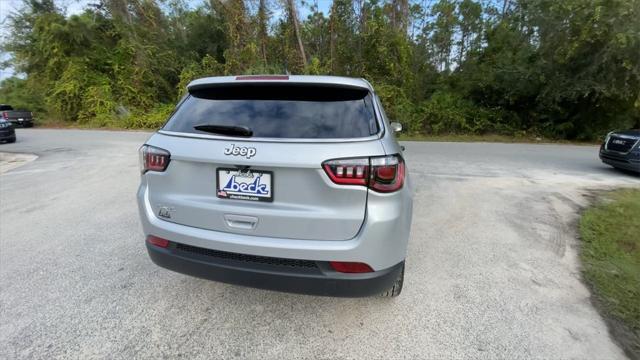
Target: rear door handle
column 242, row 222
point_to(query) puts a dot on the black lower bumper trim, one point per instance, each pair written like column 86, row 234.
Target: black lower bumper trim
column 25, row 123
column 323, row 283
column 620, row 162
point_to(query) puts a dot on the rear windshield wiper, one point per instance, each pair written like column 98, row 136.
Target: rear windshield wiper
column 230, row 130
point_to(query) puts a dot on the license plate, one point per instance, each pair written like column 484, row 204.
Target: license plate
column 20, row 119
column 252, row 185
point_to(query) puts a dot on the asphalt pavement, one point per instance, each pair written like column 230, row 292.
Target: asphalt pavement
column 492, row 267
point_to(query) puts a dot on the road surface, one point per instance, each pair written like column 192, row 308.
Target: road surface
column 492, row 268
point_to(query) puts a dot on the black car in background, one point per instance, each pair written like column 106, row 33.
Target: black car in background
column 7, row 132
column 621, row 149
column 23, row 118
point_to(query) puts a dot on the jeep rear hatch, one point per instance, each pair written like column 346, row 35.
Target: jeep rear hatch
column 271, row 182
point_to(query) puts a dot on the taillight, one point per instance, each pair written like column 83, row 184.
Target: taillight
column 387, row 173
column 380, row 173
column 350, row 267
column 153, row 159
column 157, row 241
column 348, row 171
column 5, row 115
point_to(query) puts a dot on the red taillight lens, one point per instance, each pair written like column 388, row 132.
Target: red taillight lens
column 348, row 171
column 156, row 241
column 382, row 174
column 5, row 115
column 387, row 174
column 153, row 159
column 350, row 267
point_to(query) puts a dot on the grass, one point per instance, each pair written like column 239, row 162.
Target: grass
column 610, row 232
column 59, row 124
column 490, row 138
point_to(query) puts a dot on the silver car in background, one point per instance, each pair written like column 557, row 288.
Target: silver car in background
column 289, row 183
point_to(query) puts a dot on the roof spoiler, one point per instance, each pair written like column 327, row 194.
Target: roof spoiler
column 268, row 80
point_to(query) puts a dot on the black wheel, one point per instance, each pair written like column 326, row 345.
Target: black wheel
column 396, row 288
column 11, row 140
column 27, row 125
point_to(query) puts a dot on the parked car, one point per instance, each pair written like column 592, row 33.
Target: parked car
column 7, row 132
column 17, row 117
column 290, row 183
column 621, row 149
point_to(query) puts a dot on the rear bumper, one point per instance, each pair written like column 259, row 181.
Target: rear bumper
column 9, row 134
column 318, row 279
column 627, row 162
column 381, row 242
column 25, row 122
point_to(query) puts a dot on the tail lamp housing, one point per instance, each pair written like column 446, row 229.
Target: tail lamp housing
column 5, row 115
column 383, row 174
column 153, row 159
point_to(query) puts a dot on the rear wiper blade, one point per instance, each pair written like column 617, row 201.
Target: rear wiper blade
column 231, row 130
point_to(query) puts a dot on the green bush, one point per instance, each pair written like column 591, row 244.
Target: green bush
column 449, row 113
column 98, row 105
column 399, row 108
column 208, row 66
column 65, row 97
column 153, row 119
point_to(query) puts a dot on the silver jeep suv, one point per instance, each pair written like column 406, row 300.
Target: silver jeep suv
column 290, row 183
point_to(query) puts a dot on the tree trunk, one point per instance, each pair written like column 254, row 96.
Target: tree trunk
column 262, row 29
column 363, row 29
column 332, row 38
column 400, row 15
column 462, row 46
column 296, row 28
column 505, row 6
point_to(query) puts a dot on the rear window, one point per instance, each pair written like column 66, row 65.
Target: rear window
column 274, row 111
column 5, row 107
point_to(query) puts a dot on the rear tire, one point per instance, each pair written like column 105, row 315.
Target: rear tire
column 396, row 288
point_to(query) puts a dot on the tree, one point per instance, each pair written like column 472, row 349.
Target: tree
column 293, row 16
column 470, row 23
column 263, row 24
column 342, row 24
column 316, row 35
column 442, row 31
column 565, row 69
column 400, row 15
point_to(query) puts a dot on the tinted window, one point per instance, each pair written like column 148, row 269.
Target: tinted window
column 280, row 111
column 5, row 107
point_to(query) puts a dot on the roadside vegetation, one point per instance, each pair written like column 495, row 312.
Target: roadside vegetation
column 494, row 138
column 515, row 68
column 610, row 233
